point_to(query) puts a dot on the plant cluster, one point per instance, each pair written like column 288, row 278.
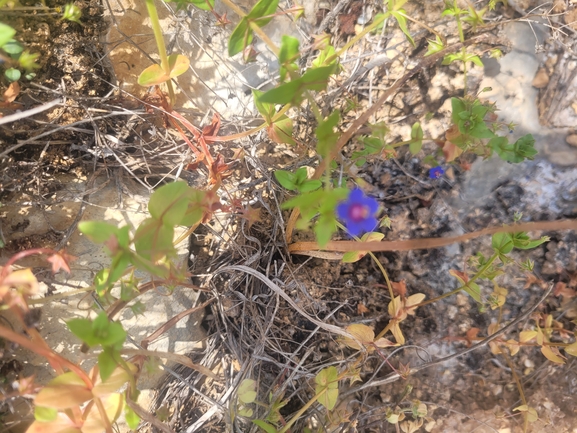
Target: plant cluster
column 90, row 401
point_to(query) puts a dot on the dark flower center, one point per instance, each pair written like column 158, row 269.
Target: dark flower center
column 358, row 212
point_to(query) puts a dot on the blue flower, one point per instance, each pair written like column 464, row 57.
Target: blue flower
column 358, row 212
column 436, row 172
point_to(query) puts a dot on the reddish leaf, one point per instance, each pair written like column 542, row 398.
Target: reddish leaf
column 362, row 309
column 60, row 260
column 451, row 151
column 251, row 215
column 212, row 129
column 452, row 133
column 400, row 288
column 10, row 95
column 471, row 336
column 561, row 289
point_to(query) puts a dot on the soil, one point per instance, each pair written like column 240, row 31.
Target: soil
column 254, row 334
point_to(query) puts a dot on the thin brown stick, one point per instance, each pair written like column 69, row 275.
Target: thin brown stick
column 425, row 243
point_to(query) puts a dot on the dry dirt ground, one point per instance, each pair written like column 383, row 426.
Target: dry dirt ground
column 253, row 333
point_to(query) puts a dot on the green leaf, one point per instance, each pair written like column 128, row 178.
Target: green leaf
column 327, row 386
column 417, row 139
column 108, row 333
column 206, row 5
column 326, row 135
column 14, row 48
column 153, row 240
column 309, row 185
column 502, row 243
column 72, row 13
column 399, row 15
column 434, row 46
column 45, row 414
column 242, row 35
column 522, row 241
column 263, row 8
column 6, row 33
column 265, row 426
column 169, row 203
column 473, row 290
column 246, row 392
column 159, row 270
column 458, row 106
column 27, row 61
column 480, row 130
column 132, row 419
column 288, row 54
column 292, row 92
column 197, row 206
column 12, row 74
column 267, row 110
column 82, row 328
column 98, row 231
column 327, row 57
column 119, row 264
column 102, row 282
column 522, row 149
column 286, row 179
column 240, row 38
column 325, row 227
column 106, row 364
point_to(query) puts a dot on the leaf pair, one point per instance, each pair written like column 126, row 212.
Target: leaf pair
column 243, row 34
column 155, row 74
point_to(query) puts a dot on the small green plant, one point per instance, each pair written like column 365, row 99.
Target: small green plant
column 14, row 58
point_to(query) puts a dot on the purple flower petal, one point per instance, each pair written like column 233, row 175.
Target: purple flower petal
column 358, row 212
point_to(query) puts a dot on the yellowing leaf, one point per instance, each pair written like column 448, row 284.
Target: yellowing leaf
column 395, row 307
column 383, row 342
column 396, row 331
column 526, row 336
column 113, row 405
column 152, row 76
column 355, row 256
column 513, row 347
column 23, row 280
column 531, row 413
column 552, row 354
column 118, row 378
column 571, row 349
column 247, row 391
column 63, row 392
column 363, row 333
column 61, row 424
column 178, row 64
column 495, row 348
column 413, row 300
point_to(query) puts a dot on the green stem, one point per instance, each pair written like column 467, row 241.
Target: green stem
column 459, row 23
column 478, row 275
column 158, row 36
column 464, row 73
